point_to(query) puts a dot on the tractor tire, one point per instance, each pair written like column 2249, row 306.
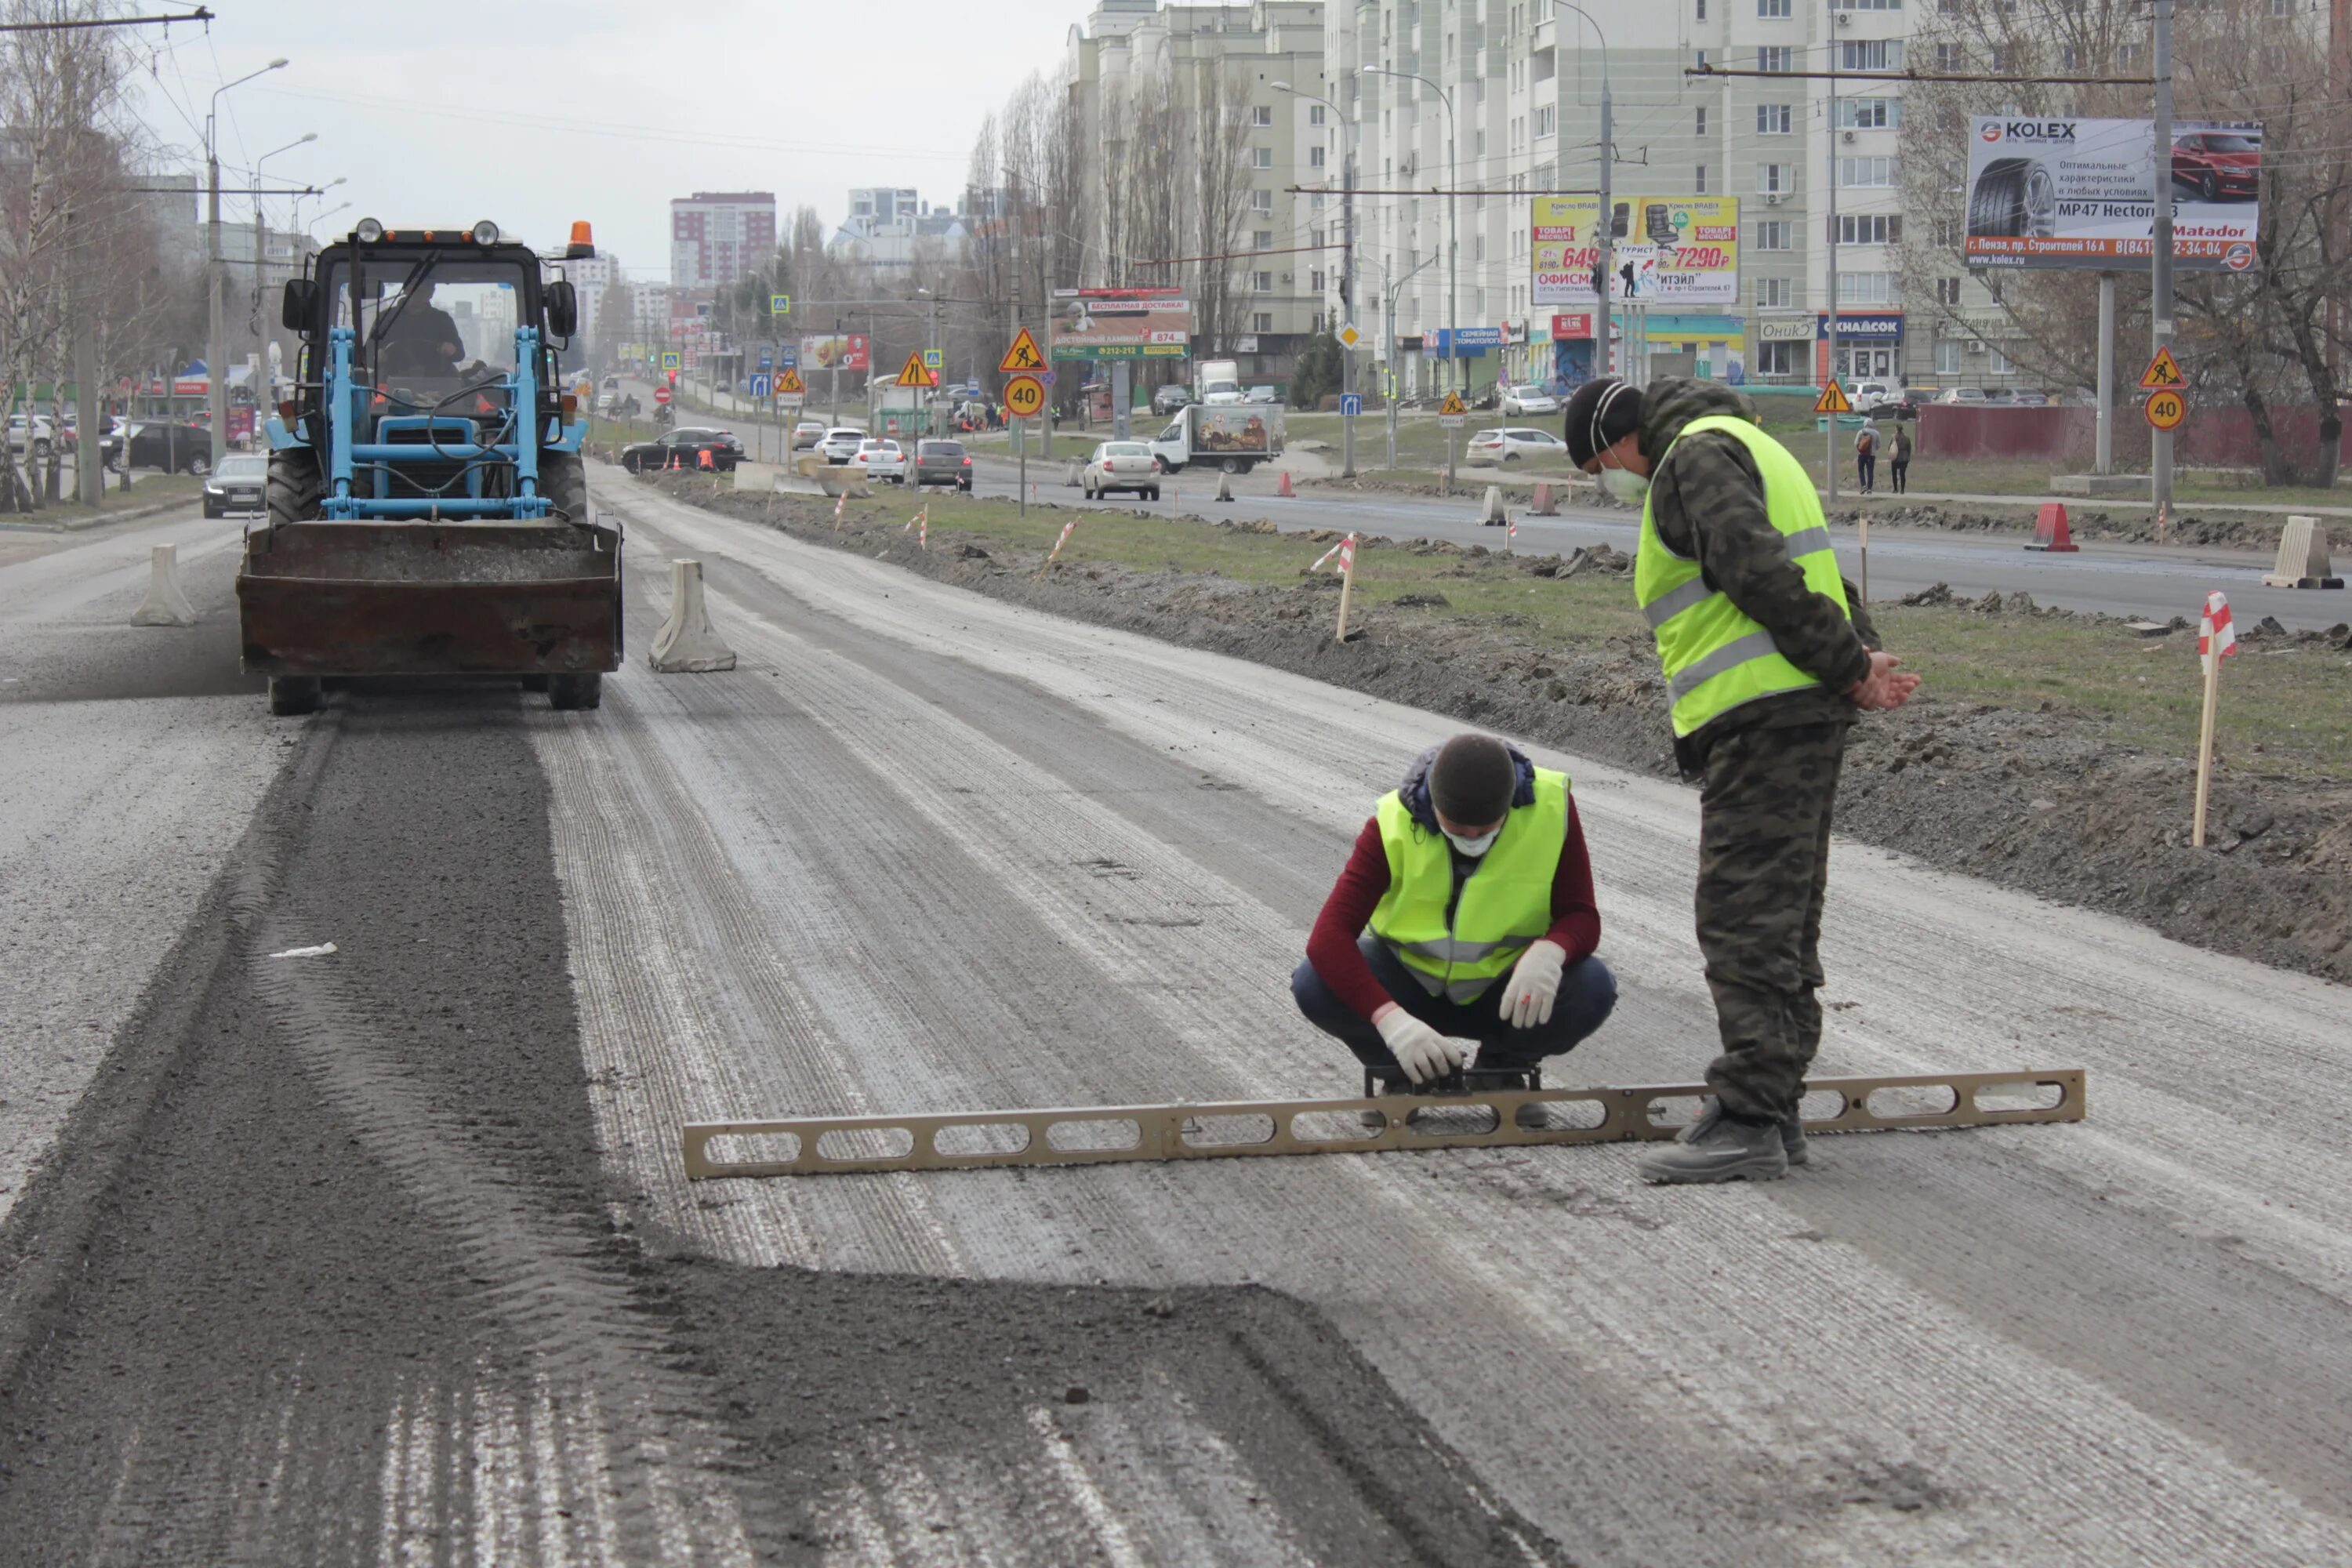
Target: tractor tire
column 293, row 695
column 563, row 480
column 297, row 488
column 572, row 692
column 535, row 682
column 2014, row 198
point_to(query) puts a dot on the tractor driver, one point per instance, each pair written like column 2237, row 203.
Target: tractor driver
column 419, row 339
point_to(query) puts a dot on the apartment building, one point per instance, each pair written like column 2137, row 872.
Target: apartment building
column 1123, row 49
column 716, row 238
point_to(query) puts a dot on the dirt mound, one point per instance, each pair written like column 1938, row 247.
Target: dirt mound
column 2039, row 801
column 2222, row 530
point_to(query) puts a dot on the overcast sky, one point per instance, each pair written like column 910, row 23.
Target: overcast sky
column 536, row 112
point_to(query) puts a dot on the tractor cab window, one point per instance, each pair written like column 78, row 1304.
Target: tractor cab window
column 432, row 322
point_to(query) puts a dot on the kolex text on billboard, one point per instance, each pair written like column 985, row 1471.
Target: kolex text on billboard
column 2082, row 193
column 847, row 350
column 1682, row 248
column 1121, row 323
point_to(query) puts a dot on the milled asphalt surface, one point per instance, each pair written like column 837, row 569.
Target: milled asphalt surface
column 386, row 1254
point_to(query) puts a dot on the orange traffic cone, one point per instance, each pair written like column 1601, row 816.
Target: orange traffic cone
column 1285, row 489
column 2051, row 532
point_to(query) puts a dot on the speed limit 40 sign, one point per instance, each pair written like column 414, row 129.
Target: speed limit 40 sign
column 2166, row 410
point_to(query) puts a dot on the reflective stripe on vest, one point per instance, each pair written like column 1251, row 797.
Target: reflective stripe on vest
column 1505, row 904
column 1716, row 658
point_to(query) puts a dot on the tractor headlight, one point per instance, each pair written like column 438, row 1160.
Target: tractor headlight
column 486, row 233
column 367, row 231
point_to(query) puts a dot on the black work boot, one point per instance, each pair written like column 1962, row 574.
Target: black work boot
column 1792, row 1140
column 1716, row 1148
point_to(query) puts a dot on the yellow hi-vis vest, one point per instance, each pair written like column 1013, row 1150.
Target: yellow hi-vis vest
column 1505, row 905
column 1717, row 657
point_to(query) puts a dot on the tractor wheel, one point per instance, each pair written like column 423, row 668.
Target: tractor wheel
column 534, row 682
column 575, row 692
column 296, row 486
column 291, row 695
column 563, row 480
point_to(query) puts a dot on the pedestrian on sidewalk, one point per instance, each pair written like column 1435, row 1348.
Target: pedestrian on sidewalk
column 1769, row 659
column 1465, row 912
column 1901, row 465
column 1865, row 454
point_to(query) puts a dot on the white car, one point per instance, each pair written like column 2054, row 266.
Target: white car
column 841, row 442
column 881, row 458
column 44, row 434
column 1869, row 395
column 807, row 434
column 1963, row 395
column 1524, row 401
column 1513, row 442
column 1122, row 466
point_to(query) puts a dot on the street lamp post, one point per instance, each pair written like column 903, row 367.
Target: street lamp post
column 1388, row 393
column 318, row 195
column 216, row 389
column 1452, row 253
column 1347, row 276
column 1604, row 313
column 260, row 237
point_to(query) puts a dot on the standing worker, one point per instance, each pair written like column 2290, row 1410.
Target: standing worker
column 1470, row 873
column 1766, row 668
column 1900, row 467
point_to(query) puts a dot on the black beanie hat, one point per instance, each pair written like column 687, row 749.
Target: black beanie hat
column 1601, row 412
column 1473, row 780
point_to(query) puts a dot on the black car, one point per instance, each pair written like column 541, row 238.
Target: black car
column 174, row 449
column 686, row 445
column 240, row 485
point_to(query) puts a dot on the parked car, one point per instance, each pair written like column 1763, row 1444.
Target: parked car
column 2031, row 399
column 1511, row 443
column 171, row 447
column 43, row 434
column 807, row 434
column 1122, row 466
column 1260, row 394
column 840, row 444
column 1523, row 402
column 686, row 445
column 1973, row 395
column 881, row 458
column 942, row 463
column 1170, row 397
column 1869, row 395
column 240, row 484
column 2219, row 165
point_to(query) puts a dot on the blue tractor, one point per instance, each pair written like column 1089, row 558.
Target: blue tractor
column 428, row 507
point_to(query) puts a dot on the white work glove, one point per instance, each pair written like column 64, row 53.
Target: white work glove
column 1535, row 985
column 1421, row 1051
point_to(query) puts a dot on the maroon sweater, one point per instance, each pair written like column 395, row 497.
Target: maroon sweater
column 1331, row 946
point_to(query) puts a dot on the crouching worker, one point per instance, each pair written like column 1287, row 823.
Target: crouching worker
column 1466, row 913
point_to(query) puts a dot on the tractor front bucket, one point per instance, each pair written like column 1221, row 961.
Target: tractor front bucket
column 330, row 598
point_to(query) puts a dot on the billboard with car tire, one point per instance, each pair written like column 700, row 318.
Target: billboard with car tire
column 2082, row 193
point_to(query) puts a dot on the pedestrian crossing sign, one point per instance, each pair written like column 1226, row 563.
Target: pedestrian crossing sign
column 2163, row 374
column 1453, row 405
column 1024, row 355
column 788, row 382
column 1833, row 400
column 670, row 359
column 916, row 373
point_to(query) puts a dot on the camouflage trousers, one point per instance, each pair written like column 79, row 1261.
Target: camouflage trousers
column 1763, row 871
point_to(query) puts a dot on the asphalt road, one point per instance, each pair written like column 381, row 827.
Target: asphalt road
column 386, row 1254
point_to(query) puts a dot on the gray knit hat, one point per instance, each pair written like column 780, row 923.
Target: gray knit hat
column 1473, row 780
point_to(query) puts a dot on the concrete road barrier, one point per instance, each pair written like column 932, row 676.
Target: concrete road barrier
column 1073, row 475
column 686, row 643
column 167, row 604
column 2303, row 558
column 1224, row 487
column 1492, row 513
column 759, row 479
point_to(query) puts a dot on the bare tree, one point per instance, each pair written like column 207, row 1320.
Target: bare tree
column 1217, row 141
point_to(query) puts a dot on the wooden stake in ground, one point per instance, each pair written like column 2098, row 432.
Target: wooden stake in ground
column 1864, row 548
column 1050, row 554
column 920, row 526
column 838, row 503
column 2217, row 639
column 1346, row 582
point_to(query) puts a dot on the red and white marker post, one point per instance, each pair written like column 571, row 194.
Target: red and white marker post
column 2217, row 639
column 1346, row 552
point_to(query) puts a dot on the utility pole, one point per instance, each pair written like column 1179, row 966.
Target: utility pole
column 216, row 350
column 1348, row 304
column 840, row 348
column 2105, row 453
column 1608, row 236
column 2159, row 270
column 89, row 474
column 1829, row 142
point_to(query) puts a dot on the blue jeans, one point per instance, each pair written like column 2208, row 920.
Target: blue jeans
column 1587, row 993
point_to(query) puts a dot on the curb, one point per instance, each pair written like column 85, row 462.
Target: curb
column 80, row 525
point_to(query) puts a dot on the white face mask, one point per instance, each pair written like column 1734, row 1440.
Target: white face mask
column 1474, row 847
column 1631, row 488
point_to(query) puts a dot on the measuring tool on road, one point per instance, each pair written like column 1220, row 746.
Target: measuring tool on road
column 1476, row 1118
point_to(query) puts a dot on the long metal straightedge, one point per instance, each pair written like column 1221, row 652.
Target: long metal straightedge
column 964, row 1140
